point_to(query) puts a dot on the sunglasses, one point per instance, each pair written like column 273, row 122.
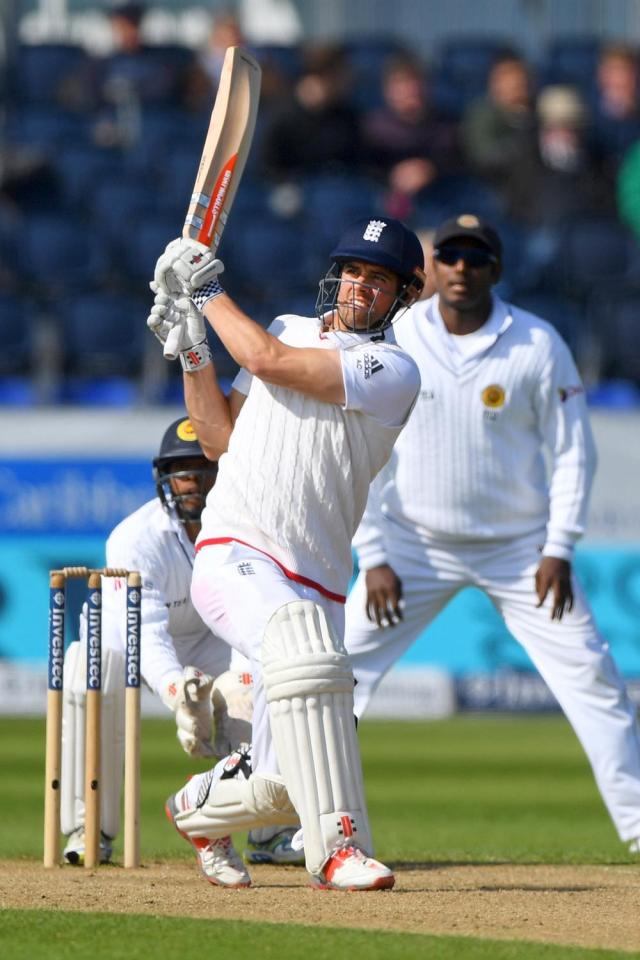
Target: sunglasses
column 476, row 257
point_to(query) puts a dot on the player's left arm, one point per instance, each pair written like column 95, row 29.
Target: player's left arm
column 566, row 431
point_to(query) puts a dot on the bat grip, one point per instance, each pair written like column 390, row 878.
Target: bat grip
column 172, row 344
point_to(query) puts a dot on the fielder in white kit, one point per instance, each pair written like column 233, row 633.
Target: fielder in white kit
column 182, row 661
column 328, row 397
column 465, row 501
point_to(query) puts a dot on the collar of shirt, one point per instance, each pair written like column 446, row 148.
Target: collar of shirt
column 499, row 320
column 343, row 339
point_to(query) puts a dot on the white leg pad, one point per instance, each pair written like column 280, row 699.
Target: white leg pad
column 73, row 739
column 232, row 698
column 237, row 804
column 309, row 686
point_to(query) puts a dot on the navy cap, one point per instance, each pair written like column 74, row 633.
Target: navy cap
column 383, row 241
column 469, row 225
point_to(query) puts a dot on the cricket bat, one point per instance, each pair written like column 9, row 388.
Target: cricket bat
column 224, row 155
column 226, row 148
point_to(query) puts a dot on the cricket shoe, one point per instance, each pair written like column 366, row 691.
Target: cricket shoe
column 277, row 850
column 348, row 868
column 218, row 859
column 74, row 851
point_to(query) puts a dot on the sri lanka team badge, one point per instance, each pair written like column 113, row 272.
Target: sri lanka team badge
column 493, row 396
column 185, row 430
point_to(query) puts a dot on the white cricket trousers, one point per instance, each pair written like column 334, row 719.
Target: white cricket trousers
column 571, row 656
column 236, row 591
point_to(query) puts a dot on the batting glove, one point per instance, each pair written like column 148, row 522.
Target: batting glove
column 185, row 266
column 180, row 328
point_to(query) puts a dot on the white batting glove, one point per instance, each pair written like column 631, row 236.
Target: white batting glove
column 190, row 699
column 180, row 328
column 185, row 266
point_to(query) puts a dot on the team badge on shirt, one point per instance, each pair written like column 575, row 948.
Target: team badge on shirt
column 493, row 396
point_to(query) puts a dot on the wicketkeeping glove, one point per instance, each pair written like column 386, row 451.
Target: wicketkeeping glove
column 190, row 700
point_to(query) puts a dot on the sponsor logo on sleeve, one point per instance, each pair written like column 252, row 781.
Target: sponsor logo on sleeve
column 370, row 364
column 565, row 393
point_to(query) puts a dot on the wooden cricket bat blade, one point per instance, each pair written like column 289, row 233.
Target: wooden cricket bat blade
column 226, row 148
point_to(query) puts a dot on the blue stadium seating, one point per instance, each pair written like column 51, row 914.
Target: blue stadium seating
column 596, row 251
column 40, row 72
column 462, row 68
column 572, row 60
column 57, row 254
column 367, row 57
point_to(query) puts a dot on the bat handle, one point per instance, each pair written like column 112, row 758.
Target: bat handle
column 173, row 342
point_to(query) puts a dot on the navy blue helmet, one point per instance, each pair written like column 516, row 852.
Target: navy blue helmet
column 384, row 242
column 180, row 443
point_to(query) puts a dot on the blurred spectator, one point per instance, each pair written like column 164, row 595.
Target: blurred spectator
column 204, row 79
column 616, row 112
column 315, row 129
column 496, row 126
column 556, row 175
column 149, row 72
column 408, row 143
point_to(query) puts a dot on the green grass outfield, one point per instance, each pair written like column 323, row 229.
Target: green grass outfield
column 465, row 790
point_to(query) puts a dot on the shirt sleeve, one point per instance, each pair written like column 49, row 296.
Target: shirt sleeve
column 380, row 382
column 565, row 428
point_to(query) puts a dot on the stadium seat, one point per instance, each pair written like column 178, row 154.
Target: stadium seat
column 332, row 202
column 104, row 338
column 563, row 314
column 285, row 59
column 47, row 127
column 614, row 318
column 50, row 73
column 154, row 75
column 139, row 248
column 80, row 166
column 16, row 335
column 572, row 60
column 104, row 334
column 58, row 254
column 462, row 68
column 366, row 58
column 449, row 196
column 595, row 251
column 118, row 202
column 263, row 254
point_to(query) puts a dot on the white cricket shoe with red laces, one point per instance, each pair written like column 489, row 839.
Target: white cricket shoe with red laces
column 218, row 859
column 348, row 868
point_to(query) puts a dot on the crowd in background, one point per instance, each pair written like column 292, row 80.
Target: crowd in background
column 98, row 156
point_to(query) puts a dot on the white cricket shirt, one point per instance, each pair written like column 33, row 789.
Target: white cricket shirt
column 470, row 464
column 295, row 479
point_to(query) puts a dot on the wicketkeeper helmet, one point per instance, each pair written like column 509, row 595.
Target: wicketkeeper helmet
column 181, row 443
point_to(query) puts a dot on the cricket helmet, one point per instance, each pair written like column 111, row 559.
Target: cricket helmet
column 181, row 443
column 387, row 243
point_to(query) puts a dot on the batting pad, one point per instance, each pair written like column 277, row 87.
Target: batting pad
column 237, row 804
column 309, row 687
column 73, row 739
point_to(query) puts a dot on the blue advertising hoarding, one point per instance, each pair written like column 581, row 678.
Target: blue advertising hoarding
column 58, row 513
